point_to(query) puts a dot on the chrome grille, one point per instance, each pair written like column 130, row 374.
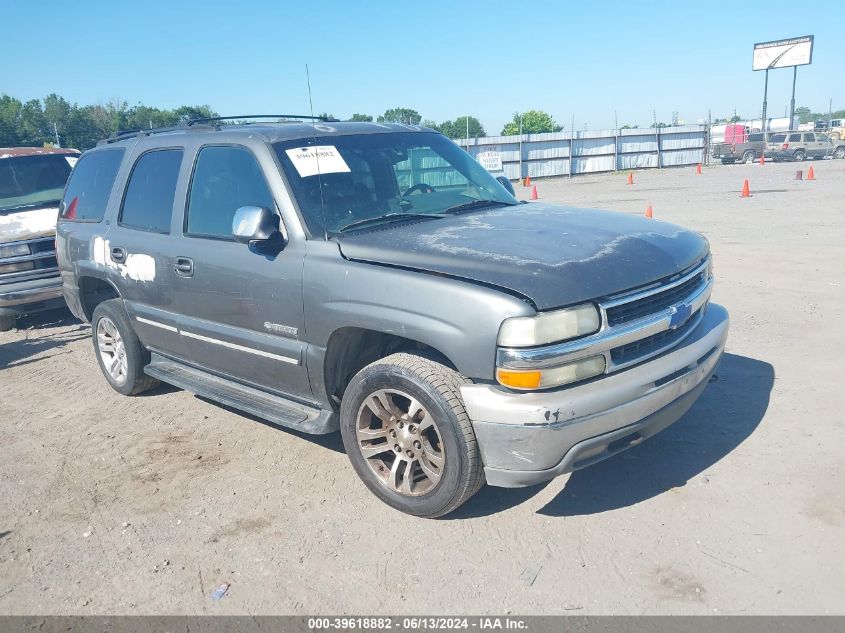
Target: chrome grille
column 38, row 264
column 647, row 346
column 625, row 312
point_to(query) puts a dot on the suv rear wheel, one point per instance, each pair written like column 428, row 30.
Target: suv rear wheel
column 799, row 154
column 839, row 152
column 119, row 353
column 748, row 156
column 408, row 435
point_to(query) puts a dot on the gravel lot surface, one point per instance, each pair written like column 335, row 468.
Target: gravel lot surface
column 147, row 505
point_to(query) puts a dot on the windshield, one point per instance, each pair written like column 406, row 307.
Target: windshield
column 378, row 178
column 33, row 181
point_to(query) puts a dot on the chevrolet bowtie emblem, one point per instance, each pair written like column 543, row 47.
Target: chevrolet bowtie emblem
column 680, row 314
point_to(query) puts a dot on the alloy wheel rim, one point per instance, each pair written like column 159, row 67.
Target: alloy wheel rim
column 112, row 350
column 400, row 442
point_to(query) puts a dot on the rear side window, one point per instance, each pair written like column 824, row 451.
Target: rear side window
column 225, row 179
column 148, row 202
column 90, row 185
column 809, row 138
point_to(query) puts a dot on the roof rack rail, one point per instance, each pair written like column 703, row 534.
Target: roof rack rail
column 125, row 134
column 325, row 119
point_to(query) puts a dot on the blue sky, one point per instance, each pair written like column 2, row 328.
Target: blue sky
column 442, row 58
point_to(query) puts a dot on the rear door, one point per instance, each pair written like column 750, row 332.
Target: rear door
column 813, row 145
column 139, row 250
column 241, row 312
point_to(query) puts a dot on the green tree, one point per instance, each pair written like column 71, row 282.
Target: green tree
column 56, row 113
column 361, row 118
column 189, row 113
column 629, row 127
column 400, row 115
column 533, row 122
column 458, row 128
column 658, row 125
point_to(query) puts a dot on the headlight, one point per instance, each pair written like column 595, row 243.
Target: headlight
column 552, row 376
column 14, row 250
column 549, row 327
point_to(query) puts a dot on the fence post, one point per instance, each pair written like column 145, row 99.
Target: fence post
column 616, row 150
column 659, row 166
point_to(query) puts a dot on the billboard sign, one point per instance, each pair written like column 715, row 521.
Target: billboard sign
column 797, row 51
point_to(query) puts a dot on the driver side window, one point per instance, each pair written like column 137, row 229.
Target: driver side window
column 225, row 179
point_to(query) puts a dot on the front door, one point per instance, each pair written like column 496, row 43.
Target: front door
column 241, row 313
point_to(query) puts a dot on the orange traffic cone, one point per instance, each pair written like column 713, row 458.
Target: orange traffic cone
column 534, row 195
column 528, row 181
column 811, row 174
column 630, row 178
column 648, row 212
column 698, row 169
column 762, row 159
column 745, row 192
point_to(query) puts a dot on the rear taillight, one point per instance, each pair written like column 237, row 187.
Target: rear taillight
column 785, row 146
column 69, row 212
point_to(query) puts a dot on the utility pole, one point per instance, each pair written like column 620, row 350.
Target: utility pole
column 792, row 102
column 765, row 103
column 521, row 173
column 56, row 132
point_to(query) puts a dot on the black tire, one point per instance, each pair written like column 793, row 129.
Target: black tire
column 134, row 381
column 799, row 155
column 437, row 389
column 748, row 156
column 839, row 153
column 7, row 323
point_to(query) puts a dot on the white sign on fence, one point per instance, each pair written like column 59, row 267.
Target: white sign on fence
column 491, row 161
column 797, row 51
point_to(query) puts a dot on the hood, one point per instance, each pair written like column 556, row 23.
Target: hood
column 28, row 224
column 555, row 256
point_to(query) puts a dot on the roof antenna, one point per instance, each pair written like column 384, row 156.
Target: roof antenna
column 317, row 155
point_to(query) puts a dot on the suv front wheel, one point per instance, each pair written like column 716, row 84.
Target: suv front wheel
column 408, row 435
column 119, row 353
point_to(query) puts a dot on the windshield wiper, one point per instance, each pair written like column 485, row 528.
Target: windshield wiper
column 387, row 217
column 474, row 204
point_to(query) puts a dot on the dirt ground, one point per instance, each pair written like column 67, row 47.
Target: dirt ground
column 114, row 505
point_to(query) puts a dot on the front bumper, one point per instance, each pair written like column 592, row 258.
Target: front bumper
column 528, row 438
column 26, row 297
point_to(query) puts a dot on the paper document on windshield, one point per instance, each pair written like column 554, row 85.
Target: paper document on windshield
column 323, row 159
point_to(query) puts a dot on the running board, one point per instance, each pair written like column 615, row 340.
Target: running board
column 272, row 408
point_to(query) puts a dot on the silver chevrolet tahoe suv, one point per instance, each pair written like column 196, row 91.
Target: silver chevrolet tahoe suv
column 376, row 279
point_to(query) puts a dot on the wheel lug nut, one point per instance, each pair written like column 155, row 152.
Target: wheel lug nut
column 392, row 433
column 397, row 448
column 412, row 428
column 417, row 445
column 409, row 453
column 401, row 424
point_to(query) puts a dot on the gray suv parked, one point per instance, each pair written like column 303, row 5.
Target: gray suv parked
column 374, row 278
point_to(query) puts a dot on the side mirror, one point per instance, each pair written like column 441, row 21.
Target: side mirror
column 258, row 227
column 507, row 184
